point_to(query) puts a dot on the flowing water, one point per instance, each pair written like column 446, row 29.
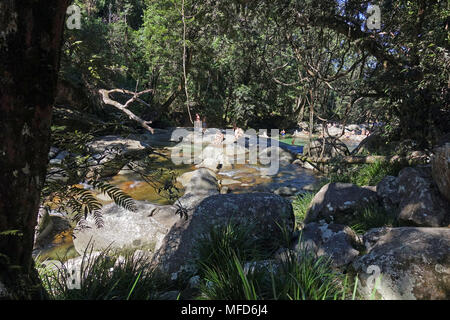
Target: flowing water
column 240, row 178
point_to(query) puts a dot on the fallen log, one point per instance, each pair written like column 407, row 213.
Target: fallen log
column 363, row 159
column 123, row 107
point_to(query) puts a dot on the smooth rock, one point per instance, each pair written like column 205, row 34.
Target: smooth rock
column 338, row 202
column 414, row 263
column 335, row 241
column 263, row 211
column 123, row 229
column 421, row 203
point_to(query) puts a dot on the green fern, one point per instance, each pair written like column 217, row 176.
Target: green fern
column 116, row 194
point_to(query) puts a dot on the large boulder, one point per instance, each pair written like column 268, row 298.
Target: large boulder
column 414, row 263
column 440, row 168
column 264, row 212
column 186, row 177
column 338, row 202
column 387, row 191
column 284, row 157
column 119, row 143
column 126, row 230
column 202, row 184
column 111, row 153
column 335, row 241
column 421, row 203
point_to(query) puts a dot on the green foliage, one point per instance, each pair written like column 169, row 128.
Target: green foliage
column 366, row 174
column 105, row 277
column 300, row 206
column 229, row 269
column 223, row 242
column 78, row 202
column 16, row 233
column 370, row 175
column 373, row 216
column 303, row 276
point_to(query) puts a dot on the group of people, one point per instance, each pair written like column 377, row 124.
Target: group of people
column 201, row 126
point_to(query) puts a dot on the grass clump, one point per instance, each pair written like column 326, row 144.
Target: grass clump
column 372, row 216
column 301, row 205
column 366, row 174
column 103, row 277
column 304, row 276
column 220, row 254
column 233, row 266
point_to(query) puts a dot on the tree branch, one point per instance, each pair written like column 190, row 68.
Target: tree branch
column 123, row 107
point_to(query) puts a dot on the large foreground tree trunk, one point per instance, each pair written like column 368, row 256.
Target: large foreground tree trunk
column 30, row 42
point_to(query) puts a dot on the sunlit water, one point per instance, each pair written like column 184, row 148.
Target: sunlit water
column 240, row 178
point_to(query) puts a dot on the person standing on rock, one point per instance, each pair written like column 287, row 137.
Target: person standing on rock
column 197, row 123
column 238, row 132
column 204, row 124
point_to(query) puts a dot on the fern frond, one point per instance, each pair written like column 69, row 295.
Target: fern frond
column 116, row 194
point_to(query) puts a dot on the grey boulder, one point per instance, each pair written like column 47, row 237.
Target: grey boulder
column 126, row 230
column 338, row 202
column 407, row 262
column 265, row 212
column 334, row 241
column 421, row 204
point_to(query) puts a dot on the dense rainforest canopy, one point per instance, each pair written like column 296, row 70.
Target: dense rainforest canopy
column 236, row 63
column 266, row 64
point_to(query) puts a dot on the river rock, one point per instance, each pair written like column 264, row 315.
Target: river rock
column 122, row 144
column 267, row 155
column 226, row 182
column 201, row 185
column 263, row 211
column 387, row 191
column 335, row 241
column 49, row 227
column 421, row 203
column 213, row 157
column 287, row 191
column 414, row 263
column 337, row 202
column 186, row 177
column 125, row 229
column 440, row 168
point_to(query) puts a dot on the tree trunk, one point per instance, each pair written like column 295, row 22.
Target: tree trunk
column 30, row 42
